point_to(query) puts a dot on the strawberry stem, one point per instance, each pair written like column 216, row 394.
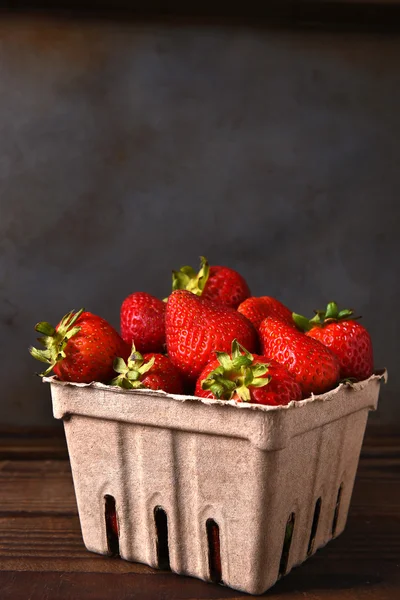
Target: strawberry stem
column 323, row 317
column 188, row 279
column 55, row 340
column 130, row 372
column 236, row 374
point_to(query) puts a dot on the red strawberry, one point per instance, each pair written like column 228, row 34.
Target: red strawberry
column 81, row 348
column 143, row 322
column 153, row 371
column 247, row 378
column 196, row 328
column 312, row 365
column 258, row 309
column 349, row 341
column 219, row 284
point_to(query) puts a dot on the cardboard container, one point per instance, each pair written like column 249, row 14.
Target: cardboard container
column 230, row 492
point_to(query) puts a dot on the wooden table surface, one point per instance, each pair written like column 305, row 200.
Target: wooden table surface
column 42, row 556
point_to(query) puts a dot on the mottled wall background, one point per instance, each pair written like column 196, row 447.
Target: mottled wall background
column 128, row 150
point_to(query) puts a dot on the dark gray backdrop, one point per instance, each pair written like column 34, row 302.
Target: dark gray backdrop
column 126, row 151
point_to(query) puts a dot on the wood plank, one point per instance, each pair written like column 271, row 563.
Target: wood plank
column 103, row 586
column 32, row 443
column 325, row 579
column 42, row 556
column 54, row 543
column 36, row 487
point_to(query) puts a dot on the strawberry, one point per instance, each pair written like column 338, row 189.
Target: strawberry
column 349, row 341
column 143, row 322
column 247, row 378
column 311, row 363
column 197, row 327
column 258, row 309
column 219, row 284
column 153, row 371
column 81, row 348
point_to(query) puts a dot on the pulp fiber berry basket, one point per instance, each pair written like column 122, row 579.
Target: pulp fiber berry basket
column 228, row 492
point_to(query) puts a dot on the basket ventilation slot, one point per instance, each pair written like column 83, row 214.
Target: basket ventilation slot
column 337, row 508
column 214, row 551
column 112, row 530
column 161, row 522
column 314, row 526
column 286, row 545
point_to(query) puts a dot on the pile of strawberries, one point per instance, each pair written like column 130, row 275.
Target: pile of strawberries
column 210, row 338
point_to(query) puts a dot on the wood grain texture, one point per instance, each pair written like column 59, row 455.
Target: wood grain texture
column 42, row 556
column 27, row 443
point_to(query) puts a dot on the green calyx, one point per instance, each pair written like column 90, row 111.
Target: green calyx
column 188, row 279
column 332, row 314
column 54, row 341
column 130, row 372
column 236, row 374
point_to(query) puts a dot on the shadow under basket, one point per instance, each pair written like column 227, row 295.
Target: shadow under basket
column 228, row 492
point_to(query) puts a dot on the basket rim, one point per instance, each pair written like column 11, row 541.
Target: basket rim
column 379, row 375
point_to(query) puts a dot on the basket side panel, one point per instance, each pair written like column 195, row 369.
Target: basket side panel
column 321, row 462
column 302, row 482
column 227, row 487
column 193, row 477
column 96, row 463
column 350, row 455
